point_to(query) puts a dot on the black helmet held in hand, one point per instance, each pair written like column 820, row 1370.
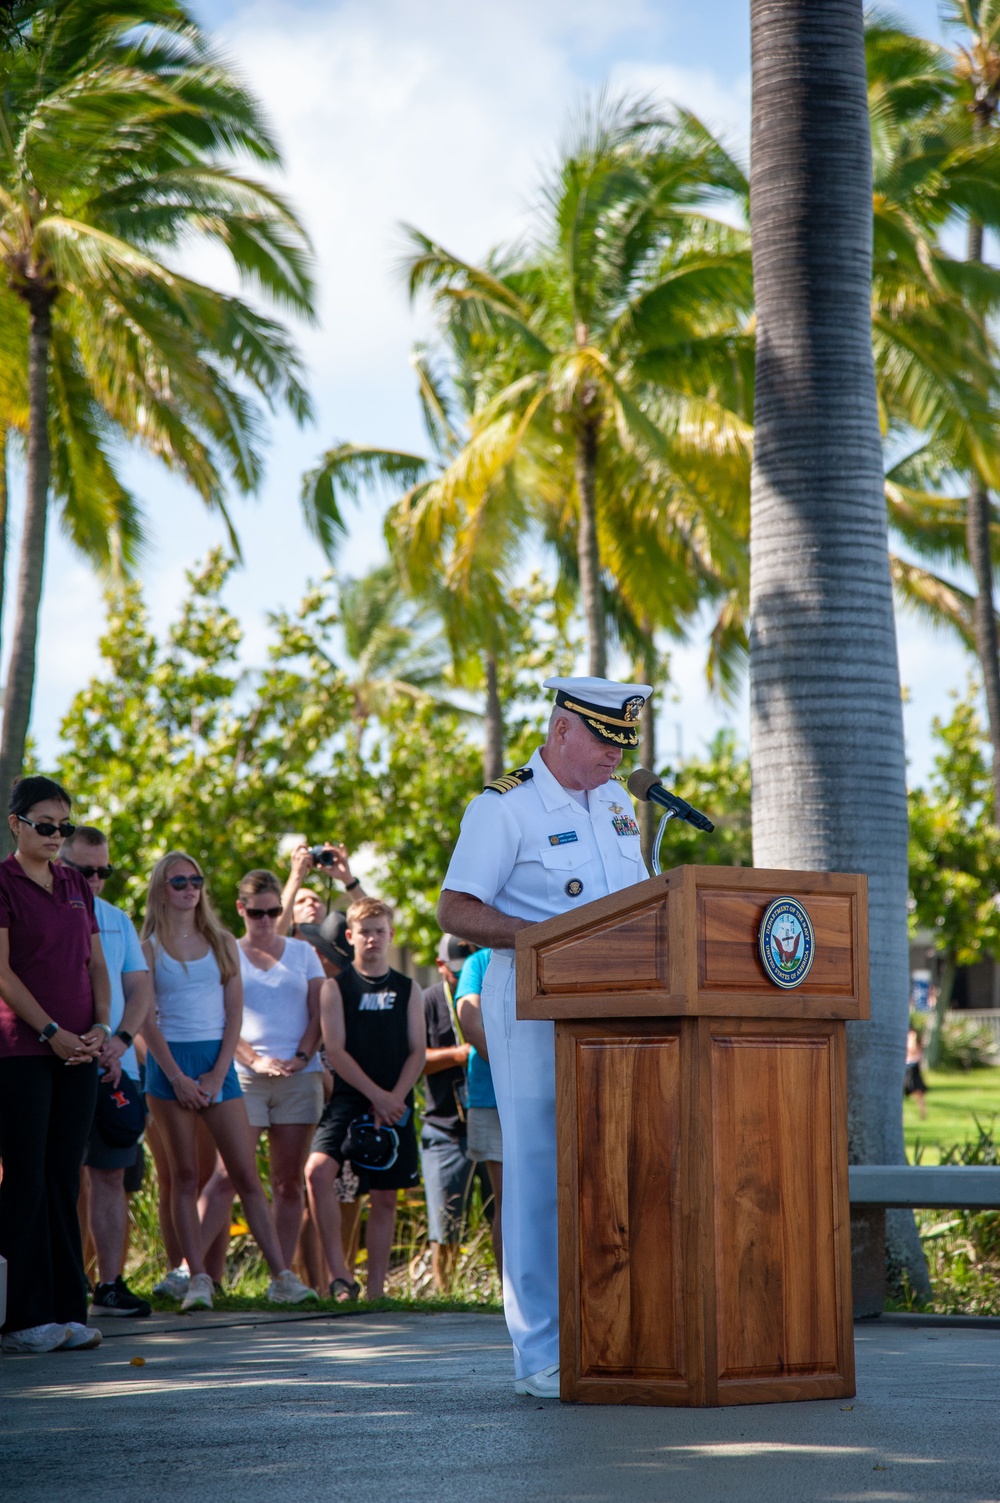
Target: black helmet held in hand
column 370, row 1147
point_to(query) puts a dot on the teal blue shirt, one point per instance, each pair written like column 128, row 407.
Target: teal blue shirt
column 470, row 983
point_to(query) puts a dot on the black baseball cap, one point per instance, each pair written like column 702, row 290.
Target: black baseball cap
column 329, row 937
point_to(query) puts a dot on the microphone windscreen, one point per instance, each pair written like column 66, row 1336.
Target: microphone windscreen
column 640, row 782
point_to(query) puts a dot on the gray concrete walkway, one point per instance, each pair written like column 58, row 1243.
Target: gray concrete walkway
column 403, row 1408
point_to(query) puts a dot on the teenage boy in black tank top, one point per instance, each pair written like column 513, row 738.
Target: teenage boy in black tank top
column 374, row 1034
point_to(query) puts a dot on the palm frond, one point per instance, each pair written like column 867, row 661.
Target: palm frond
column 344, row 471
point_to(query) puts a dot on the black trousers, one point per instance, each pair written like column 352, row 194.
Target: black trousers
column 46, row 1111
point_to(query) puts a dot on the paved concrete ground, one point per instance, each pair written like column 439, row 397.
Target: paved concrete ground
column 406, row 1408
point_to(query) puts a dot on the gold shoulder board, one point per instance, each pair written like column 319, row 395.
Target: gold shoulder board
column 510, row 780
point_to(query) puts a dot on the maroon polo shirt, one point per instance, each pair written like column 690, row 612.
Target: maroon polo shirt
column 49, row 935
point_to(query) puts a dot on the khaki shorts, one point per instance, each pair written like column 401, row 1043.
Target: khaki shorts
column 282, row 1098
column 485, row 1140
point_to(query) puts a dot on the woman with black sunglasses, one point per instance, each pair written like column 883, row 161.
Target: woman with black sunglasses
column 276, row 1058
column 189, row 1069
column 55, row 1006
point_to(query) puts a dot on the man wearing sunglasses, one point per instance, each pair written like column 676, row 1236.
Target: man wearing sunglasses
column 111, row 1170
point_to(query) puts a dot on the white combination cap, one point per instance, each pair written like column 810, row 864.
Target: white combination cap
column 608, row 709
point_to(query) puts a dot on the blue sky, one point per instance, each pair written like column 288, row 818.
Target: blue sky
column 441, row 114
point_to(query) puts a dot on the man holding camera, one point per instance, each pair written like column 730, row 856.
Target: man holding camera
column 301, row 904
column 111, row 1170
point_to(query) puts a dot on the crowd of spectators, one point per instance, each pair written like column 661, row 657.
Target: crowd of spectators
column 192, row 1043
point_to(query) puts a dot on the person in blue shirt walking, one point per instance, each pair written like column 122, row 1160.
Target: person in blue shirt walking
column 484, row 1142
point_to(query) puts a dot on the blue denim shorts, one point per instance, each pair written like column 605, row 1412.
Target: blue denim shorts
column 192, row 1060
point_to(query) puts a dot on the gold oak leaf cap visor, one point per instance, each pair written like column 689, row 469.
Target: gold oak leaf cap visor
column 609, row 710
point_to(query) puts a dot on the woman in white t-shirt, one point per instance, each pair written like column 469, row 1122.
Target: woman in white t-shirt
column 276, row 1057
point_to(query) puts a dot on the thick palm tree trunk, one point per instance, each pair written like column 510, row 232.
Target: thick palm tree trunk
column 826, row 731
column 977, row 532
column 588, row 556
column 493, row 750
column 21, row 670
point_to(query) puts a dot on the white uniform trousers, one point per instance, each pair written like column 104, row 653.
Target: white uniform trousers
column 522, row 1060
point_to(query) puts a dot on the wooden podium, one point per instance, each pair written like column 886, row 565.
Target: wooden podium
column 704, row 1223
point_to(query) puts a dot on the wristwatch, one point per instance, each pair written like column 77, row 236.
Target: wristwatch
column 48, row 1032
column 125, row 1037
column 299, row 1055
column 350, row 886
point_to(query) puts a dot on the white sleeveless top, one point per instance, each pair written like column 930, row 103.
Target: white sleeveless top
column 189, row 1003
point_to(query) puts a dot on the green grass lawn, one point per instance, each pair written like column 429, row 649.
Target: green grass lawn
column 954, row 1099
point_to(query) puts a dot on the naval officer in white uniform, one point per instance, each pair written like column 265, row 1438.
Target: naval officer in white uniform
column 537, row 842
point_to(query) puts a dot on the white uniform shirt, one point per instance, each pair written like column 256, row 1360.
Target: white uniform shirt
column 535, row 852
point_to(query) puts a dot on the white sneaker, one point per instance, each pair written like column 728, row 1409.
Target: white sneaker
column 199, row 1293
column 173, row 1285
column 543, row 1385
column 79, row 1338
column 46, row 1338
column 288, row 1289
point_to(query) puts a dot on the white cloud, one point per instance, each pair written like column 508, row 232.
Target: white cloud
column 438, row 115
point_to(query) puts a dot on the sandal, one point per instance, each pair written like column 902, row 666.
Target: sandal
column 342, row 1291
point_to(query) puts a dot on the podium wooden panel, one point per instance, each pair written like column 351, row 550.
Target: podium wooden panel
column 704, row 1221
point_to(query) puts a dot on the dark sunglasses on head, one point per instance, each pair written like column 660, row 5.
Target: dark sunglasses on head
column 46, row 828
column 271, row 913
column 103, row 872
column 179, row 883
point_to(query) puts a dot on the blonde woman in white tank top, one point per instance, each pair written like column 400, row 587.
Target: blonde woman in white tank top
column 199, row 1008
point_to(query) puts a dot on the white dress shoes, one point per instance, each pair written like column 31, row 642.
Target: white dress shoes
column 543, row 1385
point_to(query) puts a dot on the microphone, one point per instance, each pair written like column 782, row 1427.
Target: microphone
column 646, row 785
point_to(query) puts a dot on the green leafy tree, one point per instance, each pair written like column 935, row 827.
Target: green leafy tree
column 119, row 131
column 955, row 855
column 172, row 746
column 719, row 784
column 165, row 747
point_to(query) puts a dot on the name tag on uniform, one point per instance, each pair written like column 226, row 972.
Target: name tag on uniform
column 566, row 838
column 625, row 825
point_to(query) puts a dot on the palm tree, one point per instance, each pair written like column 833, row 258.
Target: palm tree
column 392, row 647
column 117, row 131
column 612, row 356
column 978, row 73
column 463, row 581
column 825, row 720
column 937, row 159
